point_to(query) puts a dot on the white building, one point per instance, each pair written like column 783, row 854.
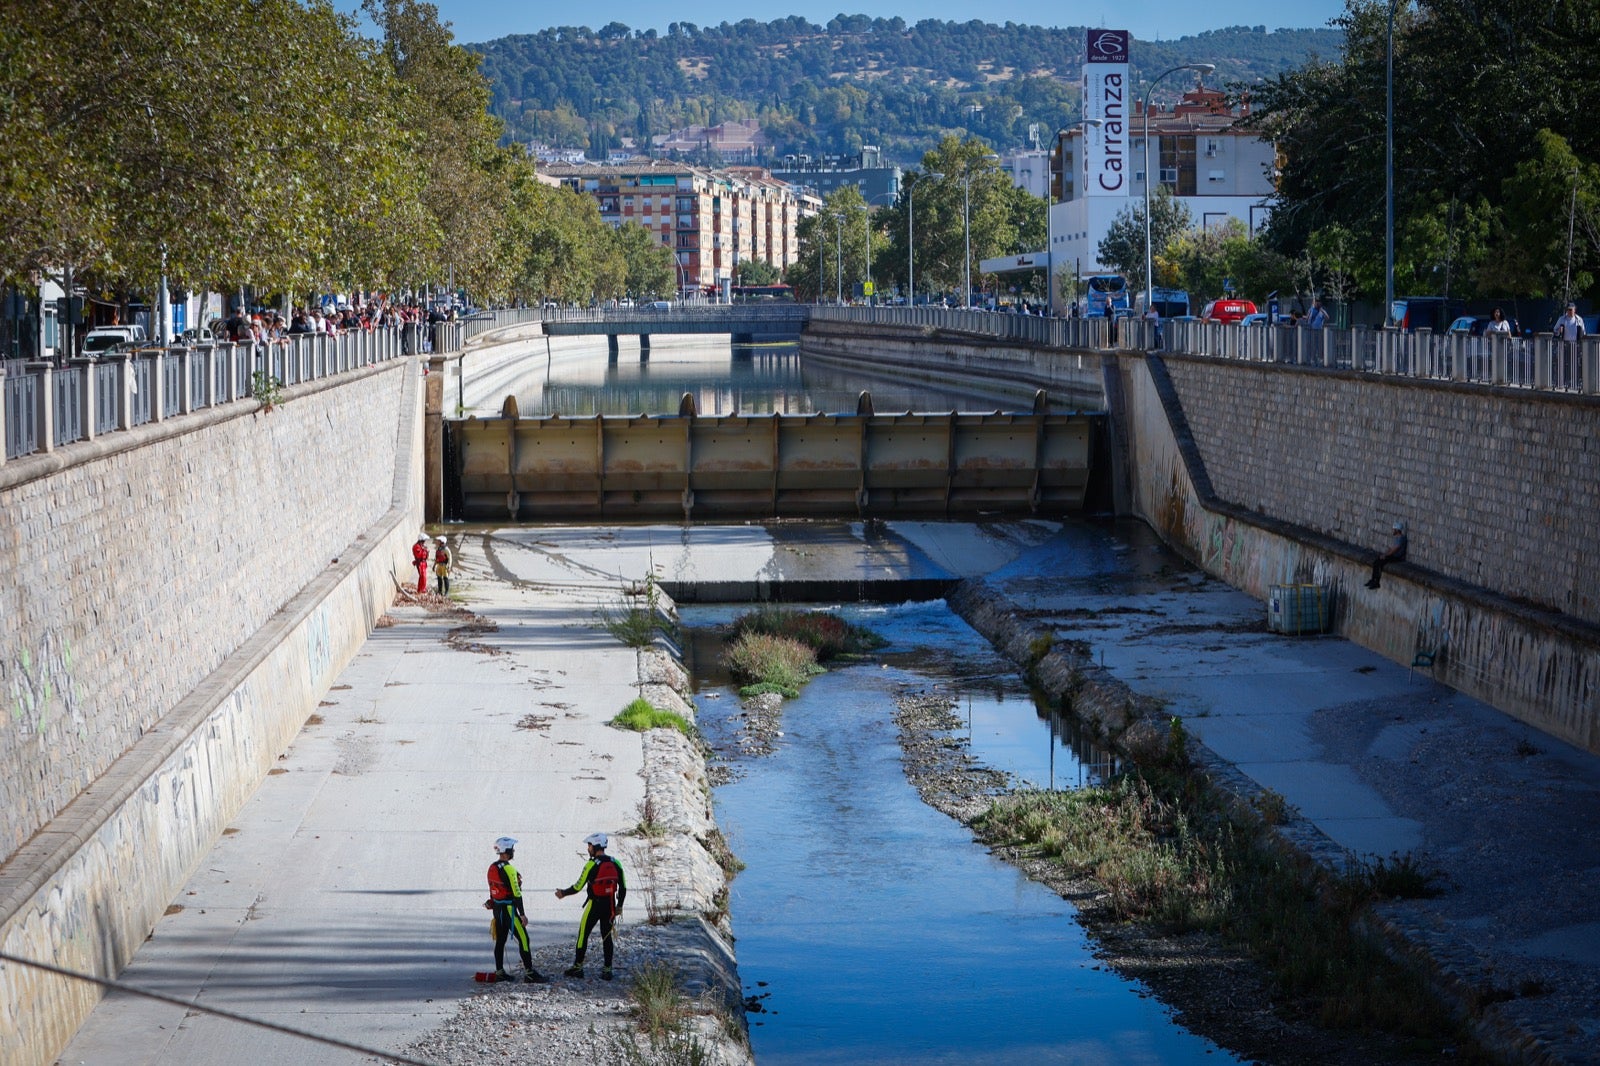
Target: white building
column 1215, row 170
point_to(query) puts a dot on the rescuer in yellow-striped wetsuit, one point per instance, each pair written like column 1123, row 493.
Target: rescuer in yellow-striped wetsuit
column 606, row 886
column 505, row 902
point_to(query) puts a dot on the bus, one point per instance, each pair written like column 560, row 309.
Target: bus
column 750, row 294
column 1108, row 294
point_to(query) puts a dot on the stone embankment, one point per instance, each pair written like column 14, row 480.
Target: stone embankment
column 1534, row 1020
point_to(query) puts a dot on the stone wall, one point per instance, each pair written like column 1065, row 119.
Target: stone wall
column 143, row 559
column 923, row 354
column 1537, row 664
column 300, row 560
column 1500, row 488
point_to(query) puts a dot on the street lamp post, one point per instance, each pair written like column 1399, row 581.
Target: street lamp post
column 838, row 259
column 1149, row 259
column 966, row 231
column 911, row 242
column 866, row 224
column 1388, row 175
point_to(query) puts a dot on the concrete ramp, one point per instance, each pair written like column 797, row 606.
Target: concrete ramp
column 649, row 466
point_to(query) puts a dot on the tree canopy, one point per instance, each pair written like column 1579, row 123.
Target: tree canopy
column 267, row 143
column 1495, row 148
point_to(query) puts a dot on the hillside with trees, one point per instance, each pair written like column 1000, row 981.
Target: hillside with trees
column 831, row 89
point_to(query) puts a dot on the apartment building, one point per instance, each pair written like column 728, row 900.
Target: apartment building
column 711, row 219
column 1197, row 151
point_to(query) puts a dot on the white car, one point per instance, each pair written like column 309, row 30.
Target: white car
column 103, row 339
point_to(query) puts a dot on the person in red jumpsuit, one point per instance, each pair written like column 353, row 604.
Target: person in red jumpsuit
column 419, row 559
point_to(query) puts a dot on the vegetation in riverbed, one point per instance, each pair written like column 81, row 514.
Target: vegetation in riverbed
column 637, row 625
column 664, row 1015
column 641, row 715
column 825, row 633
column 1165, row 849
column 777, row 650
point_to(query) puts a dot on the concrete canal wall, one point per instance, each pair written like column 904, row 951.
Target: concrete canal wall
column 941, row 358
column 188, row 590
column 1271, row 476
column 1266, row 475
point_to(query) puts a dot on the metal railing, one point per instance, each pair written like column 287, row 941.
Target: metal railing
column 1541, row 362
column 1091, row 333
column 48, row 406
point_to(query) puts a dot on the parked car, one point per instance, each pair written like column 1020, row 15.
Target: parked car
column 1260, row 319
column 659, row 305
column 104, row 339
column 1228, row 310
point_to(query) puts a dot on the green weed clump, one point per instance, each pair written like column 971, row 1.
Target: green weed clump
column 641, row 716
column 826, row 634
column 1167, row 852
column 771, row 664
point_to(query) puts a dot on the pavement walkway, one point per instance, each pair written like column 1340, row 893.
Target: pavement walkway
column 346, row 897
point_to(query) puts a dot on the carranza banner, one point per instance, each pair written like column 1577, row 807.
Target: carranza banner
column 1105, row 97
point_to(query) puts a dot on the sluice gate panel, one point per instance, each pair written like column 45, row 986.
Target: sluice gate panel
column 768, row 465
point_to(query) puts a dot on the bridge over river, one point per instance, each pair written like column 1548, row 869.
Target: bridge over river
column 744, row 323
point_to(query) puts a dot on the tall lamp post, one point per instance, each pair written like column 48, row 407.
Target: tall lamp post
column 1149, row 259
column 966, row 228
column 866, row 224
column 1049, row 228
column 838, row 259
column 911, row 242
column 1388, row 175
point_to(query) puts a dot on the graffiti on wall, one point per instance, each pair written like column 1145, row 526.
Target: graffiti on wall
column 319, row 646
column 40, row 685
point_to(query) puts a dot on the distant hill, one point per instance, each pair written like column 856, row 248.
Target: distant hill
column 831, row 89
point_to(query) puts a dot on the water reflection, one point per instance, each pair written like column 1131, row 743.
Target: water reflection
column 580, row 379
column 872, row 926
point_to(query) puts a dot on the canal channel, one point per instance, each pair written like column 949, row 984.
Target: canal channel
column 871, row 927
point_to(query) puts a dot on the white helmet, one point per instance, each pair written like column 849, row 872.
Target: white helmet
column 504, row 844
column 599, row 840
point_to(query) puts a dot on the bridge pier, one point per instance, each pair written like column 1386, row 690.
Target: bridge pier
column 644, row 347
column 611, row 347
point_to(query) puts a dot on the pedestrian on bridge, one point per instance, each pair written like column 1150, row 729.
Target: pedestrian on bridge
column 441, row 566
column 419, row 559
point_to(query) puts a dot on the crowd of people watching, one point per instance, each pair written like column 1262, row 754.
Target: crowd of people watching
column 265, row 324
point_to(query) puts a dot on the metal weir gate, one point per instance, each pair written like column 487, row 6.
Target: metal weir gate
column 731, row 466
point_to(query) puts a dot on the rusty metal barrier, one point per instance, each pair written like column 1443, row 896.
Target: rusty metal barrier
column 650, row 466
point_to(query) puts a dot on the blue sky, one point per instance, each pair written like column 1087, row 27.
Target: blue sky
column 483, row 20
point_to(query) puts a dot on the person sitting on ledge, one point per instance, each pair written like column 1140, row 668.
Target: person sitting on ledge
column 1395, row 554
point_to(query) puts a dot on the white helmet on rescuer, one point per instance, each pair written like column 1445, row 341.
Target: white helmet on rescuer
column 504, row 844
column 599, row 840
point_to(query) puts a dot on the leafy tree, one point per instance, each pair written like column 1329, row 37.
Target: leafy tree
column 1476, row 81
column 1123, row 246
column 1548, row 235
column 756, row 272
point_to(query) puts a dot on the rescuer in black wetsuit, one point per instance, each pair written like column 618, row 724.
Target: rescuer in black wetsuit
column 606, row 888
column 505, row 901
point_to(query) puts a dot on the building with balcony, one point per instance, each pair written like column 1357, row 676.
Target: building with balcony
column 711, row 219
column 1215, row 169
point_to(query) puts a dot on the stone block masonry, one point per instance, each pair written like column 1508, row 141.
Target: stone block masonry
column 138, row 569
column 1500, row 488
column 1268, row 475
column 208, row 578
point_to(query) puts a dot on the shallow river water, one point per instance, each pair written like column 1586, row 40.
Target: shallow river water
column 870, row 926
